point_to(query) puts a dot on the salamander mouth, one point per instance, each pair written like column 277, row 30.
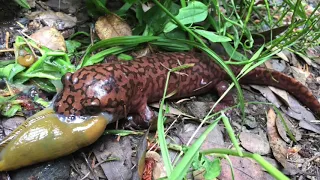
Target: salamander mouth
column 80, row 119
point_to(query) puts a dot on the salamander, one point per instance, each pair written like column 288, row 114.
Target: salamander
column 124, row 88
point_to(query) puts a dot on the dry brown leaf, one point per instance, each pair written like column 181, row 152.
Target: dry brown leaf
column 110, row 26
column 300, row 75
column 254, row 143
column 50, row 38
column 278, row 146
column 244, row 169
column 267, row 93
column 308, row 60
column 281, row 93
column 107, row 148
column 283, row 56
column 295, row 110
column 282, row 131
column 58, row 20
column 173, row 110
column 159, row 169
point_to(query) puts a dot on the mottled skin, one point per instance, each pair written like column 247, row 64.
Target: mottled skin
column 124, row 88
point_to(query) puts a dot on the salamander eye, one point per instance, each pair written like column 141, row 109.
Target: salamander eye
column 65, row 78
column 92, row 109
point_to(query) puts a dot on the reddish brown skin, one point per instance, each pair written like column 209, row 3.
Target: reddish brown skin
column 121, row 88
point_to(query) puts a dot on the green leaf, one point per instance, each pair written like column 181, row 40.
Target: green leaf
column 57, row 84
column 125, row 57
column 212, row 36
column 182, row 168
column 17, row 68
column 102, row 54
column 4, row 63
column 23, row 3
column 41, row 101
column 123, row 132
column 12, row 111
column 43, row 74
column 232, row 52
column 72, row 45
column 213, row 168
column 44, row 84
column 194, row 12
column 156, row 19
column 5, row 71
column 96, row 7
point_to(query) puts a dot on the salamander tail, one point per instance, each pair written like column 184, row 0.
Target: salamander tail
column 261, row 76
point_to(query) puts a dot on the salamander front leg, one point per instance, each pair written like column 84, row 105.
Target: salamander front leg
column 142, row 119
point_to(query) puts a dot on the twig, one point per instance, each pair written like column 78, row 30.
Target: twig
column 7, row 40
column 6, row 50
column 30, row 47
column 90, row 168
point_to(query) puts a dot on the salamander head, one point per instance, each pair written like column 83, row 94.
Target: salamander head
column 87, row 92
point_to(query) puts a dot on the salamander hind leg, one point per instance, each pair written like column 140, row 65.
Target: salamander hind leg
column 227, row 100
column 142, row 119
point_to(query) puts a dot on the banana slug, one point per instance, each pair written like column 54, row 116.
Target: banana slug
column 44, row 136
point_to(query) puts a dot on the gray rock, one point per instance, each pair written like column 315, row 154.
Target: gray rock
column 58, row 169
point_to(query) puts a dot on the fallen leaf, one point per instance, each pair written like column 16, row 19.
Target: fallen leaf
column 50, row 38
column 120, row 151
column 277, row 65
column 53, row 19
column 307, row 60
column 281, row 93
column 215, row 141
column 158, row 168
column 254, row 143
column 267, row 93
column 295, row 110
column 11, row 124
column 173, row 110
column 141, row 153
column 244, row 169
column 110, row 26
column 300, row 75
column 299, row 112
column 282, row 131
column 278, row 146
column 283, row 56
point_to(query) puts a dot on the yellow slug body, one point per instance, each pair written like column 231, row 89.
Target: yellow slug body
column 45, row 137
